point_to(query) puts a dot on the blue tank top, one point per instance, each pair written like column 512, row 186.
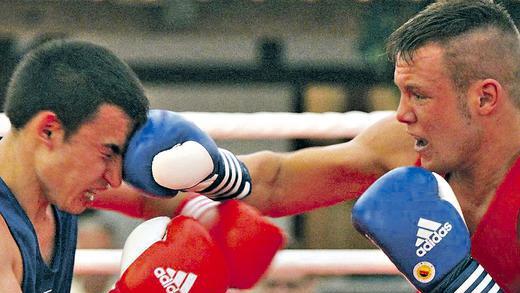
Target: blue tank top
column 38, row 277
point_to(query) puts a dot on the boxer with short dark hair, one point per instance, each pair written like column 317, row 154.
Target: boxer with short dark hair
column 457, row 68
column 73, row 107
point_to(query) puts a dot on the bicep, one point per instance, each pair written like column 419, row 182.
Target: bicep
column 314, row 177
column 299, row 181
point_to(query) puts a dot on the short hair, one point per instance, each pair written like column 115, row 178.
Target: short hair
column 73, row 79
column 479, row 37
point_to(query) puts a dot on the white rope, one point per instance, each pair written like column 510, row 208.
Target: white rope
column 273, row 125
column 279, row 125
column 287, row 263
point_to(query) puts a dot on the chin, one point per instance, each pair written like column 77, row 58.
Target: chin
column 73, row 209
column 76, row 212
column 431, row 165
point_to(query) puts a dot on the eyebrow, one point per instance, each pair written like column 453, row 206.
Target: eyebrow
column 412, row 88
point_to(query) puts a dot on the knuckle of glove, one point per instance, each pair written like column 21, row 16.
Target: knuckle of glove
column 250, row 242
column 183, row 166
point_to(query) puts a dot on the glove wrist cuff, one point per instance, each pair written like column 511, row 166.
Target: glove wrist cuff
column 468, row 276
column 233, row 180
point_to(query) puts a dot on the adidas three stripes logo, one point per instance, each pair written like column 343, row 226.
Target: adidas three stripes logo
column 429, row 234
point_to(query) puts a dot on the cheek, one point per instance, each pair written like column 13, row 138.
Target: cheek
column 49, row 168
column 91, row 167
column 448, row 123
column 460, row 141
column 79, row 169
column 85, row 160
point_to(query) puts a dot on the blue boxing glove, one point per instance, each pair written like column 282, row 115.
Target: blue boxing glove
column 170, row 154
column 414, row 217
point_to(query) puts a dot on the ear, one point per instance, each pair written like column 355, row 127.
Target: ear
column 48, row 128
column 489, row 93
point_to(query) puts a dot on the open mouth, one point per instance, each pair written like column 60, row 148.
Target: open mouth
column 420, row 143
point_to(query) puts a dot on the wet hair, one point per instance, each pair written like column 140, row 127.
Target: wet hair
column 479, row 38
column 73, row 79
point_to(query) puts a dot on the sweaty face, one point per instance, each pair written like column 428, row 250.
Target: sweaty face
column 72, row 171
column 434, row 112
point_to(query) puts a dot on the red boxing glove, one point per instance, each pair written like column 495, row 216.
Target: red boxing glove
column 248, row 240
column 186, row 260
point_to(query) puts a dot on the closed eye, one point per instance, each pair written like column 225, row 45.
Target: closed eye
column 418, row 96
column 414, row 93
column 111, row 151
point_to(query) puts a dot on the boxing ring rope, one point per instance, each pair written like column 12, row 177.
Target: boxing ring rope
column 271, row 125
column 274, row 125
column 279, row 125
column 287, row 263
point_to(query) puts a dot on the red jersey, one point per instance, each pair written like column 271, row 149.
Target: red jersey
column 496, row 242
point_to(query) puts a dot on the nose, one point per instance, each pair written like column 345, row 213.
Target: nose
column 114, row 173
column 405, row 113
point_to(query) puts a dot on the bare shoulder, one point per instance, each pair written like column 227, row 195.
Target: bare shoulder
column 388, row 143
column 11, row 267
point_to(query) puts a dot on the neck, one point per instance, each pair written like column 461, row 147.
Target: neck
column 18, row 173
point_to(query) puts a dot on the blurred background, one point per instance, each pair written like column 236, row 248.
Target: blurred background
column 236, row 56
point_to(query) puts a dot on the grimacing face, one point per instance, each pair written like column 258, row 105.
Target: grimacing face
column 430, row 106
column 72, row 171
